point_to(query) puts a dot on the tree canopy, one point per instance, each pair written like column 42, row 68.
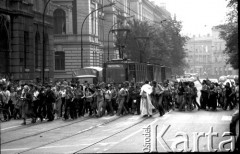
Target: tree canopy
column 229, row 33
column 158, row 43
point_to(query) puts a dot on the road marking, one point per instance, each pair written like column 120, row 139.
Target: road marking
column 226, row 118
column 10, row 127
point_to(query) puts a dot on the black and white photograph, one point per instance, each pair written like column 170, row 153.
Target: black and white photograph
column 119, row 76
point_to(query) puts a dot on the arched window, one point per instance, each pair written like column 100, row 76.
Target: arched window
column 37, row 45
column 59, row 21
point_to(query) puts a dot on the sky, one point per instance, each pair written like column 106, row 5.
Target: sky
column 197, row 16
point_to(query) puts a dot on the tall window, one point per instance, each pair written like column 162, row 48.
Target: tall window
column 47, row 50
column 59, row 60
column 93, row 19
column 37, row 44
column 26, row 47
column 59, row 17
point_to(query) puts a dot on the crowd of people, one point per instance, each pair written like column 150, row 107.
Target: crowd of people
column 68, row 100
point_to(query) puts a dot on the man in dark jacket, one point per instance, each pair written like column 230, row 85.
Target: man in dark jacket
column 50, row 99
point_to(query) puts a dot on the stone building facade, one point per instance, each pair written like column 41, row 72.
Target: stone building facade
column 205, row 56
column 98, row 41
column 21, row 37
column 69, row 16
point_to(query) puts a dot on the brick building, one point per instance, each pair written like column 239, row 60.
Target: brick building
column 21, row 36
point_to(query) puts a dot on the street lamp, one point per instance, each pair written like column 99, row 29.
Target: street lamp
column 43, row 66
column 109, row 35
column 111, row 4
column 142, row 43
column 121, row 35
column 111, row 31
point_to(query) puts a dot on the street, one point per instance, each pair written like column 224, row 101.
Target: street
column 111, row 134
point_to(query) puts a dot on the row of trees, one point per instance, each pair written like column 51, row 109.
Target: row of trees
column 229, row 33
column 159, row 43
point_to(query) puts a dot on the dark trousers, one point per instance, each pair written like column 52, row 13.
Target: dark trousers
column 17, row 113
column 11, row 108
column 42, row 110
column 109, row 106
column 159, row 104
column 183, row 104
column 204, row 100
column 88, row 107
column 195, row 103
column 227, row 102
column 114, row 104
column 166, row 102
column 50, row 115
column 6, row 113
column 81, row 106
column 121, row 106
column 69, row 106
column 62, row 105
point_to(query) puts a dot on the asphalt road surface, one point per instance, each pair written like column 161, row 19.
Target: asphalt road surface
column 113, row 134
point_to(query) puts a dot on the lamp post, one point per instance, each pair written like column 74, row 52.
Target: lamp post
column 139, row 41
column 111, row 31
column 121, row 43
column 43, row 65
column 111, row 4
column 108, row 37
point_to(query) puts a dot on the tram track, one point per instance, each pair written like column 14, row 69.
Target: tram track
column 139, row 122
column 35, row 134
column 86, row 130
column 19, row 127
column 72, row 135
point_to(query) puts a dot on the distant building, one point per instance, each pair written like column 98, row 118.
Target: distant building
column 205, row 56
